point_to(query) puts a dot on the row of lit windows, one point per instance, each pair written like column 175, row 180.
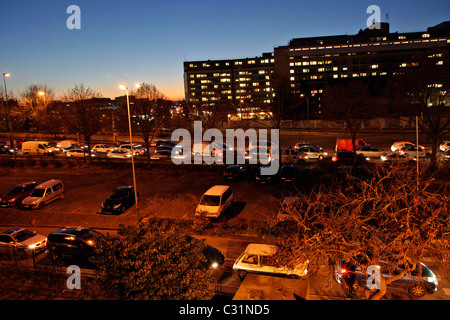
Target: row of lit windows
column 236, row 63
column 370, row 44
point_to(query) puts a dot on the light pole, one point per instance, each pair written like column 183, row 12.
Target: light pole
column 11, row 141
column 124, row 87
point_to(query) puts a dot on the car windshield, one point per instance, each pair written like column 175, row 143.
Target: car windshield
column 208, row 200
column 14, row 191
column 37, row 192
column 90, row 237
column 117, row 195
column 24, row 235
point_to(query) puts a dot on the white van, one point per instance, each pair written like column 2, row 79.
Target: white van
column 43, row 194
column 38, row 148
column 215, row 201
column 256, row 259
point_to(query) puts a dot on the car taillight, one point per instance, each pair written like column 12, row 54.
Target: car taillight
column 343, row 271
column 334, row 158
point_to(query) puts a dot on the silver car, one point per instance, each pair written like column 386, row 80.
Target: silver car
column 20, row 241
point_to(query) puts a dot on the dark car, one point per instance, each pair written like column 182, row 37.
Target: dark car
column 417, row 282
column 164, row 150
column 347, row 158
column 213, row 255
column 288, row 173
column 17, row 193
column 235, row 172
column 262, row 178
column 119, row 201
column 76, row 242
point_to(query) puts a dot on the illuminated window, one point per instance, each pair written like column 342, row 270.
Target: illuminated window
column 251, row 62
column 425, row 35
column 401, row 37
column 374, row 66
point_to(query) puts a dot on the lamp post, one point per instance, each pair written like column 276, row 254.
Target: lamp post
column 11, row 141
column 124, row 87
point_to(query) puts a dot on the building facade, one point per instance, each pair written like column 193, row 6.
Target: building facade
column 309, row 64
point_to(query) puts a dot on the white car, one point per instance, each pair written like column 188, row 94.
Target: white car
column 119, row 153
column 413, row 150
column 397, row 146
column 102, row 148
column 445, row 145
column 215, row 201
column 370, row 152
column 137, row 148
column 79, row 153
column 256, row 259
column 313, row 152
column 21, row 241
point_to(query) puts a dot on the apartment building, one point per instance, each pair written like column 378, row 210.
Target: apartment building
column 309, row 64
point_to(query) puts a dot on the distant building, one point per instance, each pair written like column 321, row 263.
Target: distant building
column 308, row 64
column 244, row 83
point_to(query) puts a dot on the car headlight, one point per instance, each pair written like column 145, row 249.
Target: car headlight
column 117, row 206
column 31, row 246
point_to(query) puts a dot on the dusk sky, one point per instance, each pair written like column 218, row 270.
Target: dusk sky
column 148, row 41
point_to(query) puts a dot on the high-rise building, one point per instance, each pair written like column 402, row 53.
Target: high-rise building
column 307, row 65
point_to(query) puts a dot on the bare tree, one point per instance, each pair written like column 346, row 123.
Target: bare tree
column 348, row 104
column 151, row 108
column 35, row 100
column 387, row 215
column 422, row 90
column 81, row 113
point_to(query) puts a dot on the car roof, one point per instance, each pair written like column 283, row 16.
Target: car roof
column 218, row 189
column 12, row 231
column 25, row 184
column 71, row 230
column 261, row 249
column 48, row 183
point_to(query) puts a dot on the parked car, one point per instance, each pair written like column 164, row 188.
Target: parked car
column 43, row 194
column 262, row 178
column 256, row 259
column 370, row 152
column 119, row 200
column 73, row 242
column 413, row 150
column 214, row 256
column 235, row 172
column 79, row 153
column 20, row 241
column 102, row 148
column 445, row 146
column 166, row 150
column 306, row 144
column 397, row 146
column 347, row 158
column 137, row 148
column 417, row 282
column 392, row 158
column 16, row 194
column 288, row 173
column 260, row 143
column 313, row 152
column 65, row 144
column 293, row 156
column 287, row 207
column 119, row 154
column 215, row 201
column 260, row 155
column 446, row 156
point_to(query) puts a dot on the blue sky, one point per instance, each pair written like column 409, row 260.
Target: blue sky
column 147, row 41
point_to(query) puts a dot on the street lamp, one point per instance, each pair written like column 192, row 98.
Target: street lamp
column 124, row 87
column 7, row 74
